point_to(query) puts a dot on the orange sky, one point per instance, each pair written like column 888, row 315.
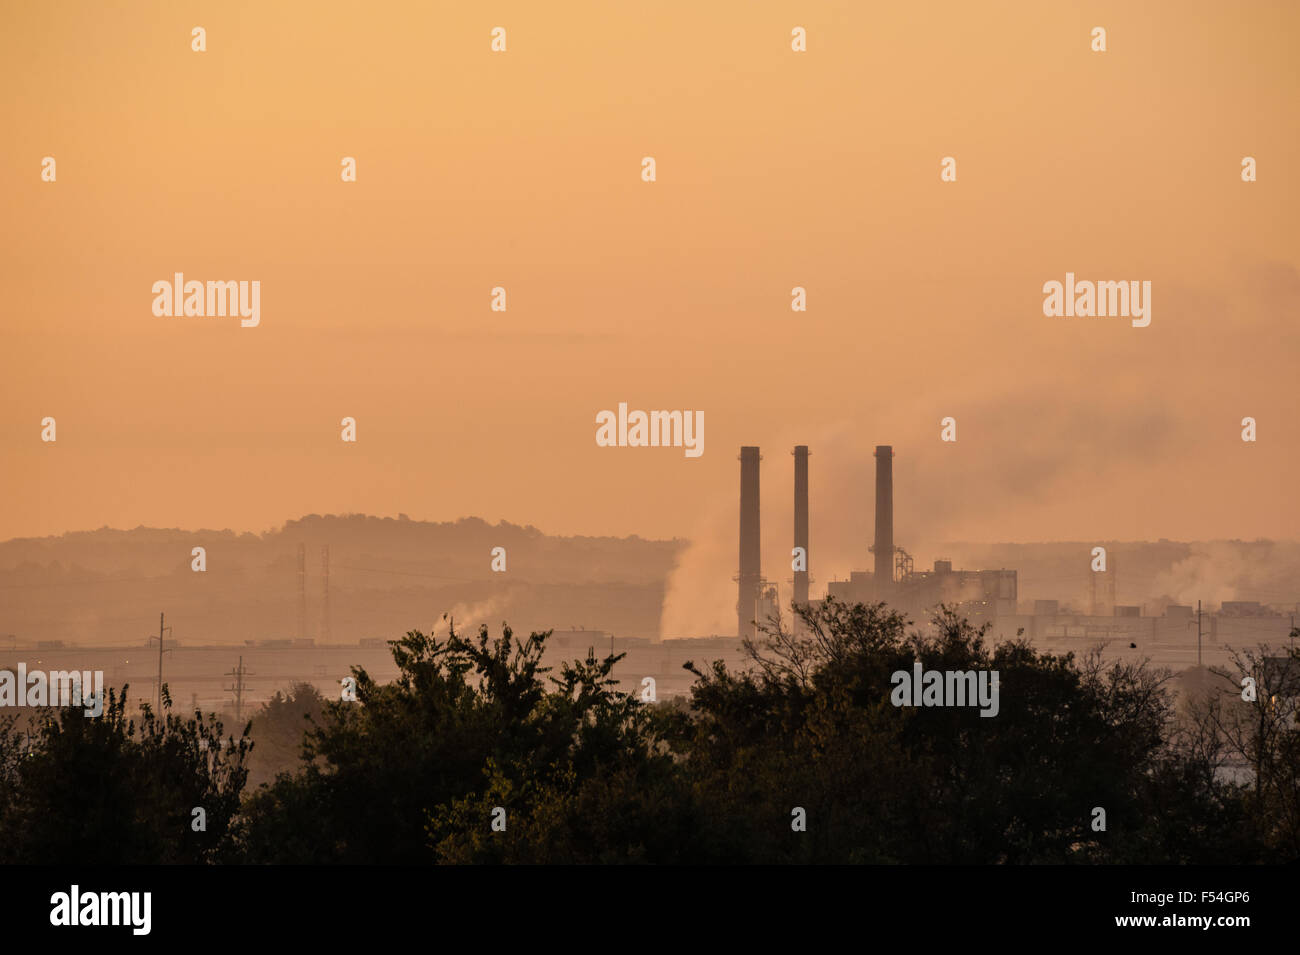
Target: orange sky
column 775, row 169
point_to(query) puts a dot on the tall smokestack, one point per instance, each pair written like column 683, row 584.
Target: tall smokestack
column 750, row 565
column 884, row 548
column 801, row 520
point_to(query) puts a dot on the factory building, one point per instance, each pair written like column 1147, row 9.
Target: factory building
column 1171, row 637
column 1176, row 638
column 978, row 594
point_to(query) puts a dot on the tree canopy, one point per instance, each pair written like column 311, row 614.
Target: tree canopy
column 479, row 753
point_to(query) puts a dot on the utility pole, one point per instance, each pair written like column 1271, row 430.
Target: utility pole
column 1198, row 633
column 325, row 597
column 161, row 630
column 238, row 687
column 302, row 591
column 160, row 653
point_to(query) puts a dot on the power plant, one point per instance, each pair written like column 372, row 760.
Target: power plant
column 978, row 594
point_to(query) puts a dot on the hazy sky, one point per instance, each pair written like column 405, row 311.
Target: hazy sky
column 775, row 169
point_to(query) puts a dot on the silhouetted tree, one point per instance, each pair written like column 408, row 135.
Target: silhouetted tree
column 410, row 772
column 811, row 725
column 117, row 790
column 279, row 728
column 1258, row 738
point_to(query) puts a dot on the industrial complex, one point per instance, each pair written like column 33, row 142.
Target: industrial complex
column 1181, row 636
column 978, row 594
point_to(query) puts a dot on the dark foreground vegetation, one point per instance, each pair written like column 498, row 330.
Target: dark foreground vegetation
column 476, row 731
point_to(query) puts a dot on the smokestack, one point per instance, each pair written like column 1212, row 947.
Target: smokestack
column 884, row 549
column 750, row 564
column 302, row 591
column 801, row 520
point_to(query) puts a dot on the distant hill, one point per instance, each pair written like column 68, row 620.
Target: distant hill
column 386, row 576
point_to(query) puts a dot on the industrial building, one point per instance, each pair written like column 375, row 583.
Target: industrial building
column 978, row 594
column 1179, row 636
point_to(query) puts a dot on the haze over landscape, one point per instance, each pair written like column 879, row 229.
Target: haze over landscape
column 387, row 576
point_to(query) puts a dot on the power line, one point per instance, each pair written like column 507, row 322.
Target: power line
column 237, row 689
column 161, row 629
column 412, row 573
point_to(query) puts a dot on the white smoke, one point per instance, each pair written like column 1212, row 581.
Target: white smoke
column 468, row 616
column 1228, row 570
column 697, row 597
